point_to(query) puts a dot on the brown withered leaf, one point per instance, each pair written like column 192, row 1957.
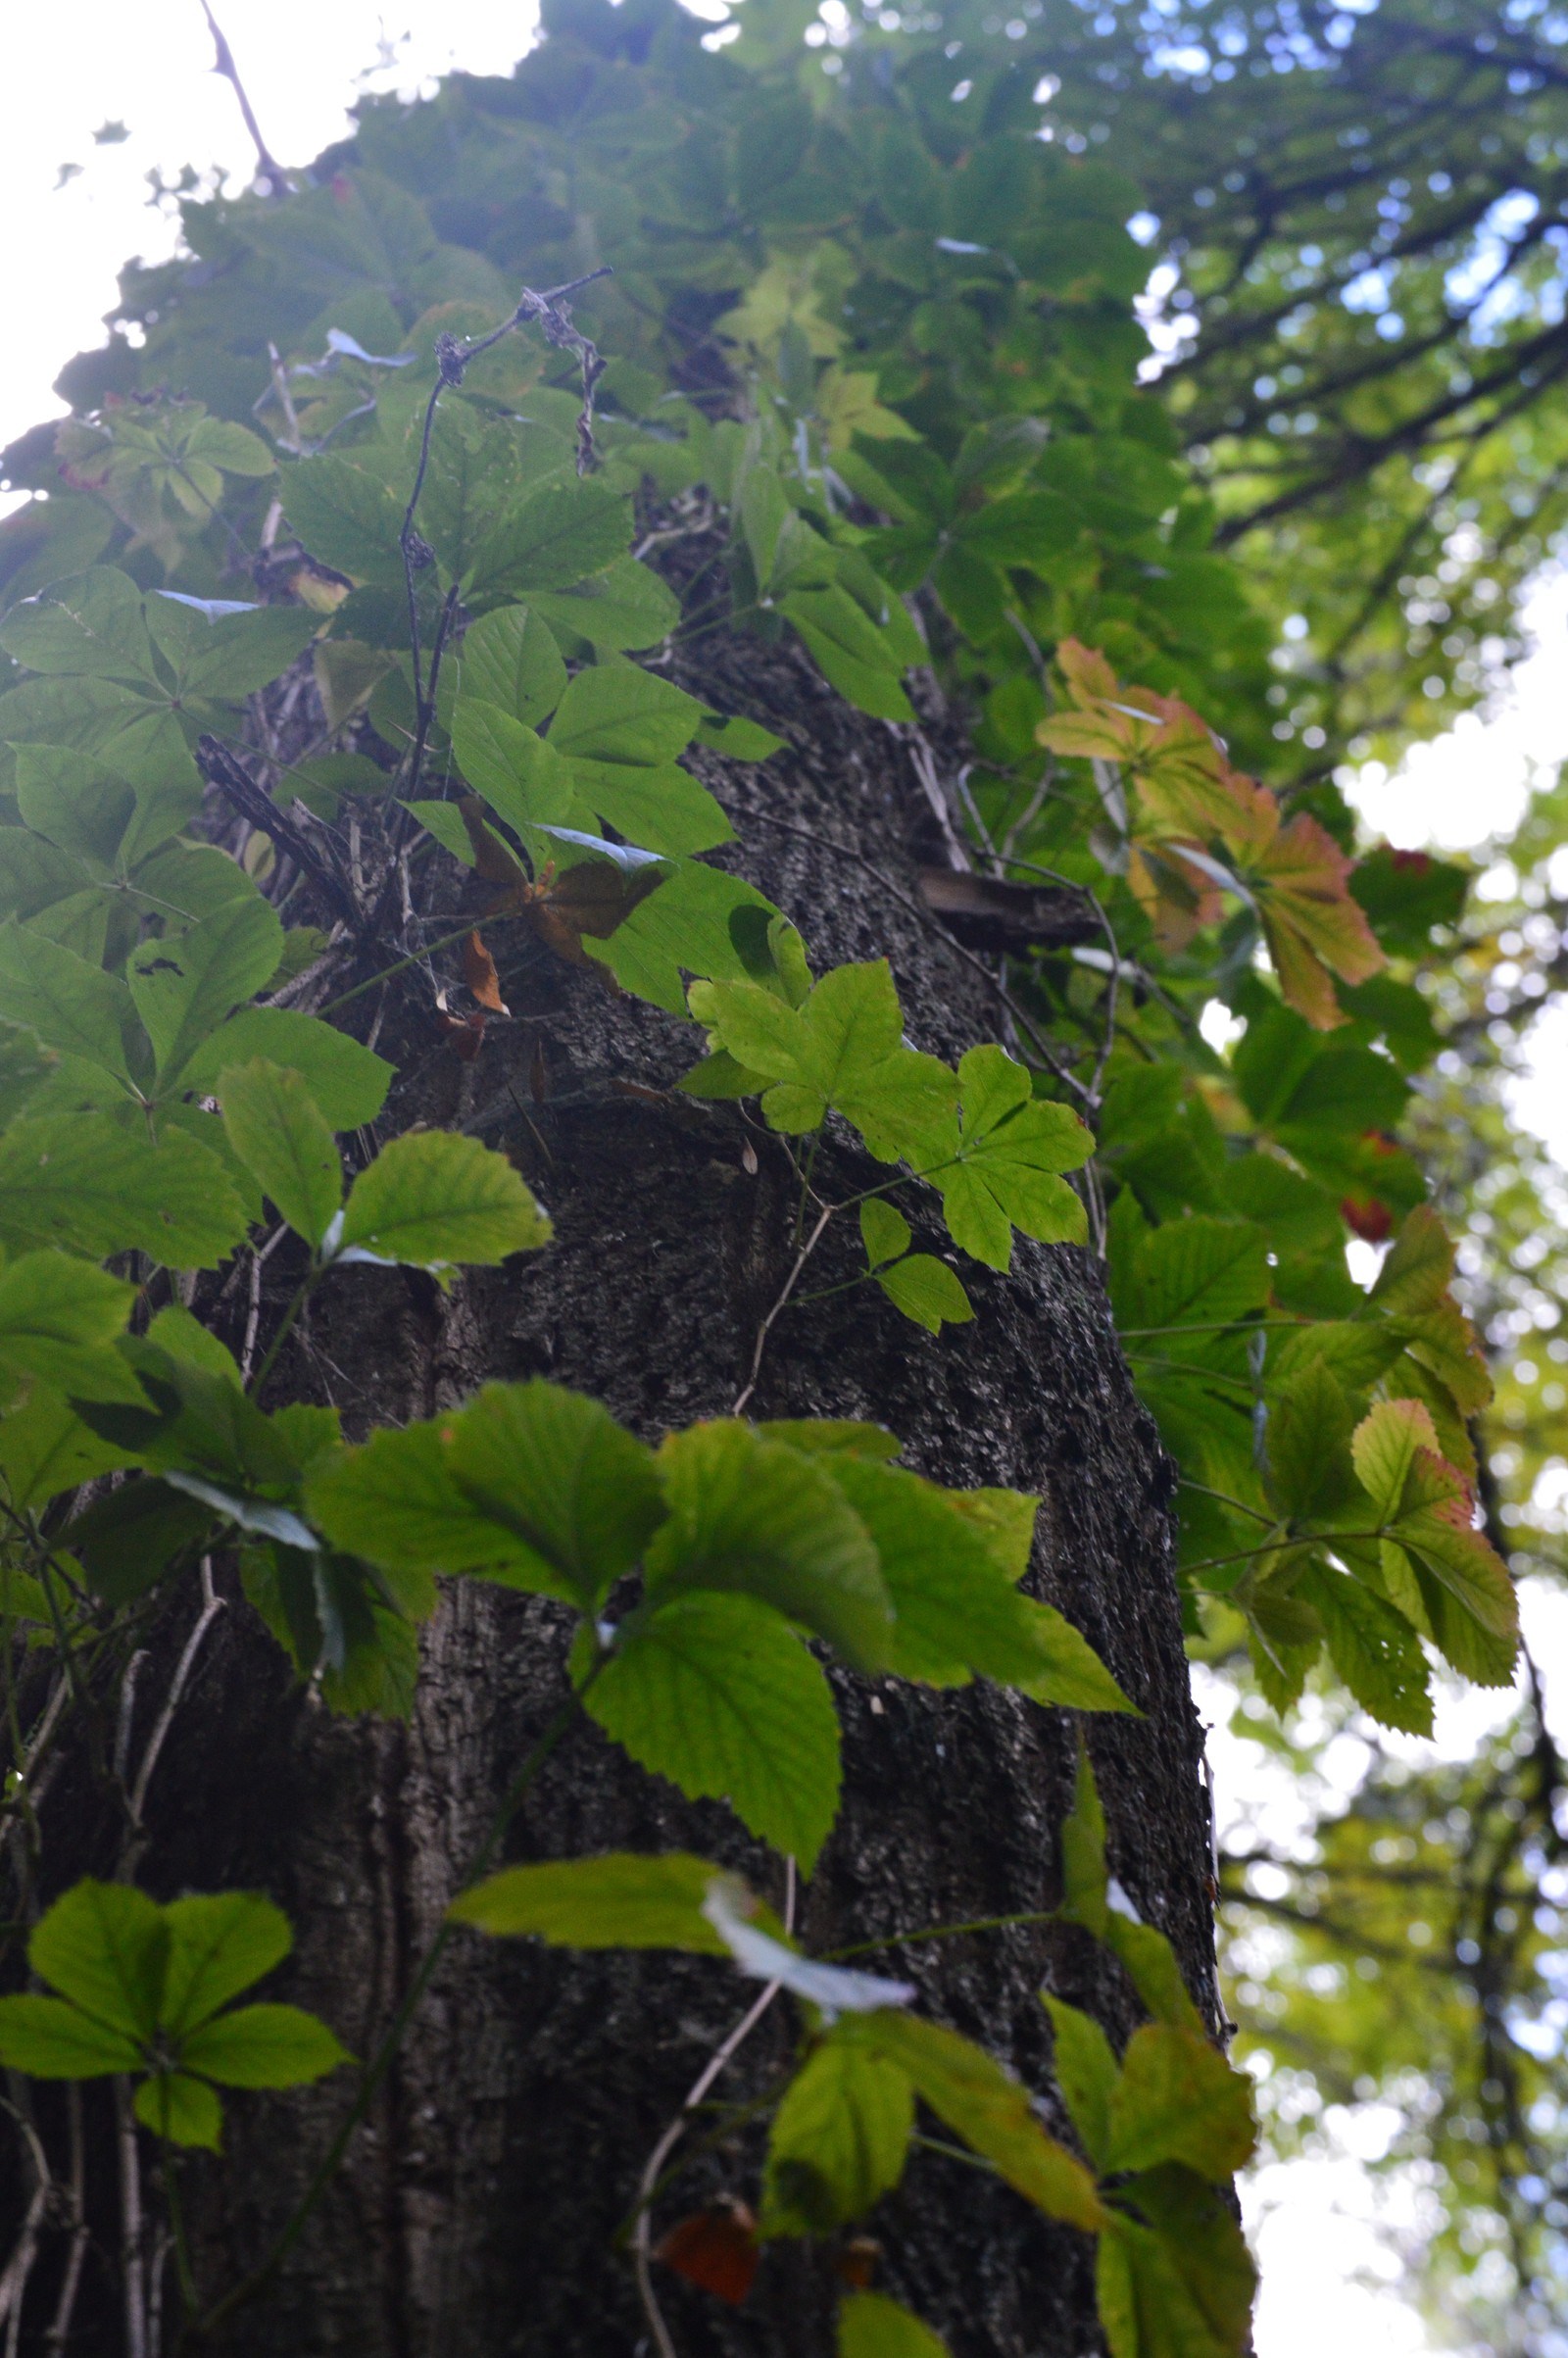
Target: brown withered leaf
column 463, row 1034
column 479, row 973
column 491, row 858
column 715, row 2249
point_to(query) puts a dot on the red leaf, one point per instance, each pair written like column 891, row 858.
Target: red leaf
column 715, row 2249
column 1372, row 1221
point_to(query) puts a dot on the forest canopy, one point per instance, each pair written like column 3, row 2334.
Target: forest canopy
column 1141, row 418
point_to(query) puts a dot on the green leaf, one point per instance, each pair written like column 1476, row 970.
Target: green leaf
column 104, row 1947
column 1178, row 2100
column 519, row 773
column 561, row 535
column 58, row 1319
column 181, row 2110
column 1082, row 1853
column 1086, row 2069
column 346, row 517
column 620, row 1901
column 72, row 1006
column 433, row 1199
column 986, row 2106
column 52, row 2041
column 227, row 654
column 395, row 1501
column 1152, row 1967
column 1181, row 2285
column 348, row 1082
column 927, row 1291
column 45, row 1448
column 752, row 1516
column 1199, row 1272
column 1310, row 1469
column 1004, row 1160
column 88, row 625
column 843, row 1046
column 81, row 1181
column 126, row 1540
column 185, row 987
column 508, row 659
column 1374, row 1649
column 717, row 1693
column 665, row 806
column 849, row 650
column 884, row 1231
column 870, row 2326
column 620, row 712
column 574, row 1496
column 219, row 1944
column 838, row 2142
column 276, row 1128
column 685, row 926
column 627, row 606
column 263, row 2046
column 956, row 1606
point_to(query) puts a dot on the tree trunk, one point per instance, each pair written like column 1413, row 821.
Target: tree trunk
column 478, row 2203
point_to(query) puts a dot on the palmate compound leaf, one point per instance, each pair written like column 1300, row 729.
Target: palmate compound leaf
column 999, row 1163
column 619, row 1900
column 839, row 2140
column 717, row 1693
column 952, row 1562
column 142, row 1987
column 434, row 1199
column 530, row 1485
column 843, row 1046
column 870, row 2326
column 277, row 1129
column 756, row 1516
column 982, row 2104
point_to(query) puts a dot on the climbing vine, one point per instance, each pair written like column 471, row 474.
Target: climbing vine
column 876, row 377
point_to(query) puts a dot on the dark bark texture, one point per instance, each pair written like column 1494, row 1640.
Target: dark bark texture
column 477, row 2209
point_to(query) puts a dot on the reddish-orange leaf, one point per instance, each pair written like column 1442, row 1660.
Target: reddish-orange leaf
column 715, row 2249
column 855, row 2264
column 1372, row 1220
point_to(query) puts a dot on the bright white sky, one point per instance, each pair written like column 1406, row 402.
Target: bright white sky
column 1325, row 2274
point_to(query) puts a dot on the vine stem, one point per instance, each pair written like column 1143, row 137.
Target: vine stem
column 375, row 2070
column 675, row 2130
column 766, row 1329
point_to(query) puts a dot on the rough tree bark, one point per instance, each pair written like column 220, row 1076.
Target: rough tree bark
column 477, row 2207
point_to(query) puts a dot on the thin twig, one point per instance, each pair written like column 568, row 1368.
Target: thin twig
column 64, row 2308
column 271, row 172
column 766, row 1329
column 132, row 2259
column 212, row 1606
column 653, row 2169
